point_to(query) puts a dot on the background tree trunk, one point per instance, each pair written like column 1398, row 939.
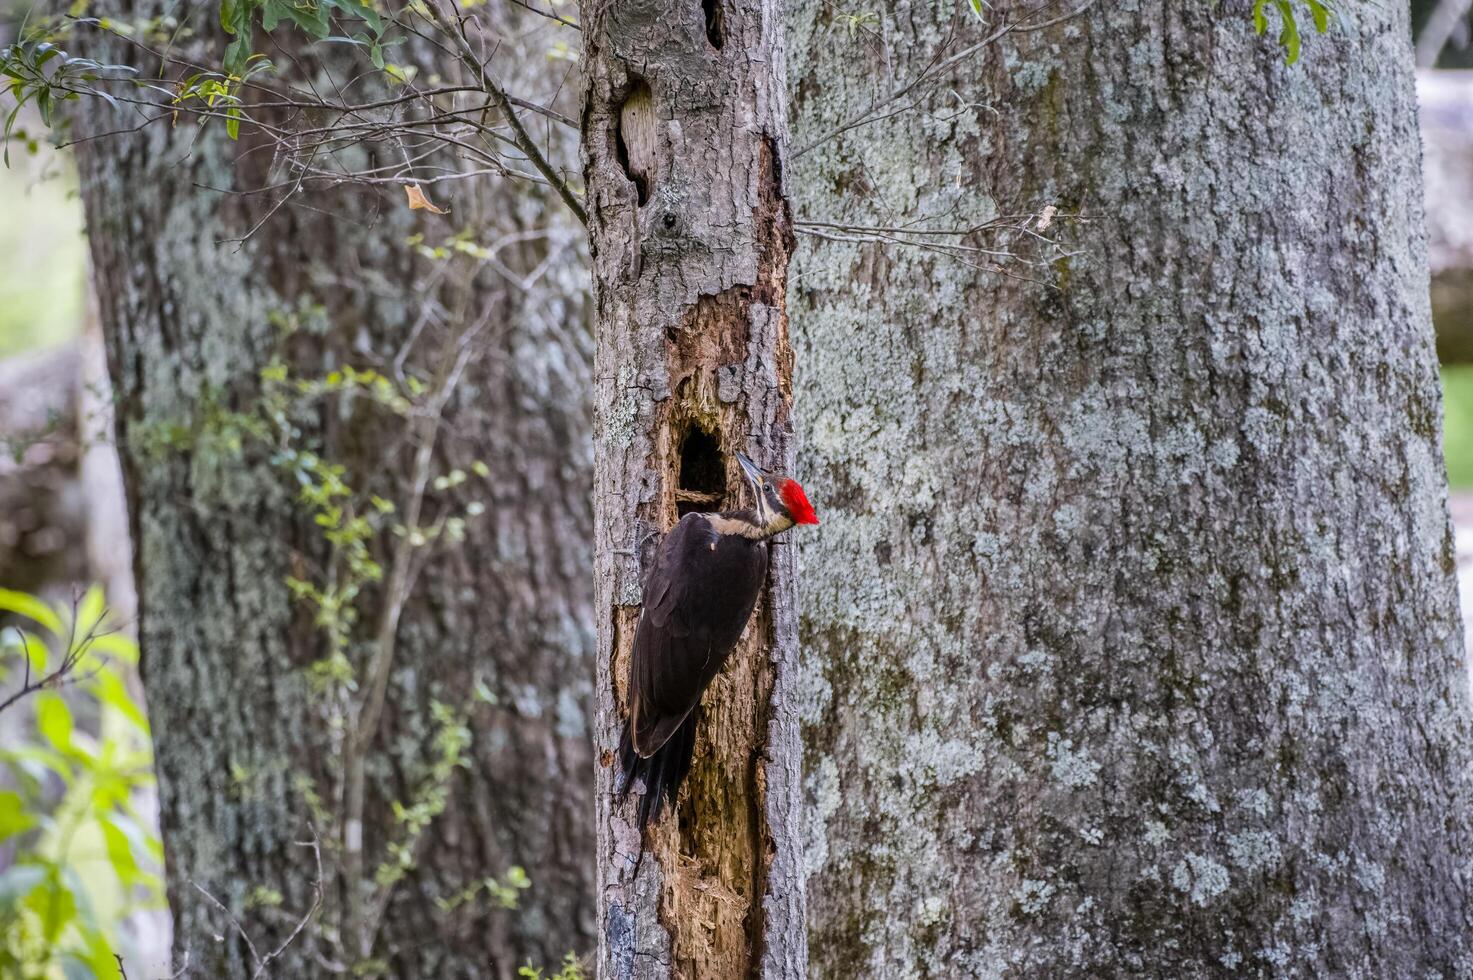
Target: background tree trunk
column 1131, row 636
column 191, row 318
column 684, row 133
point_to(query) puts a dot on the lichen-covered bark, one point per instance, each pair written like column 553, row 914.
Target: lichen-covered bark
column 191, row 317
column 684, row 136
column 1131, row 643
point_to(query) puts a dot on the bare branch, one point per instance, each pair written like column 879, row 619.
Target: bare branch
column 508, row 112
column 255, row 956
column 65, row 672
column 550, row 15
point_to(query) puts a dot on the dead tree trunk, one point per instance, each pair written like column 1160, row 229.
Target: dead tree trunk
column 1131, row 645
column 684, row 138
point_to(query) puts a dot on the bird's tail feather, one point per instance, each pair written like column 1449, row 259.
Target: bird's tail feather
column 661, row 773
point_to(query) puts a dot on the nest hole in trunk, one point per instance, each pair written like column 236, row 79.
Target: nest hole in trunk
column 715, row 23
column 701, row 482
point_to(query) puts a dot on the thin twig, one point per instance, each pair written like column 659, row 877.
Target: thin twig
column 301, row 923
column 76, row 649
column 255, row 957
column 508, row 112
column 937, row 66
column 548, row 14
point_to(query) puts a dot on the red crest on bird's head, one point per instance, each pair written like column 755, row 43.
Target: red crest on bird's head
column 797, row 503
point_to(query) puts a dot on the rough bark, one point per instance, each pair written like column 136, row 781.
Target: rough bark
column 189, row 316
column 684, row 136
column 1131, row 642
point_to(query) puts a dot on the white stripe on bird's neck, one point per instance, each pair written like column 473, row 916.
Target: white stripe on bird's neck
column 771, row 524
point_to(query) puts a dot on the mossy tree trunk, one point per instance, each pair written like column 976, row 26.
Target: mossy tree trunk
column 684, row 134
column 1132, row 636
column 242, row 741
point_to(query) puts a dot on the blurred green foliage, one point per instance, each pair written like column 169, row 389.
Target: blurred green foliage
column 79, row 856
column 570, row 970
column 1457, row 431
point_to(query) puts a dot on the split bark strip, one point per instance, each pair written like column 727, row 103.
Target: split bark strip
column 685, row 131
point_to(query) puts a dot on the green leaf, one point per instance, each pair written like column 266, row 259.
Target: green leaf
column 36, row 762
column 54, row 720
column 117, row 646
column 112, row 692
column 1321, row 13
column 90, row 612
column 311, row 19
column 31, row 608
column 56, row 905
column 97, row 961
column 237, row 53
column 360, row 10
column 13, row 816
column 1289, row 38
column 120, row 853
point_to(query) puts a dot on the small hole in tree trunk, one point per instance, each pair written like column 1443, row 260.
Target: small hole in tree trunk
column 715, row 22
column 702, row 479
column 634, row 138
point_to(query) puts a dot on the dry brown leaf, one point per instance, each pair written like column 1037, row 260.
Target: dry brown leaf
column 418, row 201
column 1045, row 218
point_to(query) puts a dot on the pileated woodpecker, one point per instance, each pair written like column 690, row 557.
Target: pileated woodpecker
column 699, row 594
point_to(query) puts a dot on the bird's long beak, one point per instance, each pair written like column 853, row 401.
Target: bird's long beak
column 752, row 471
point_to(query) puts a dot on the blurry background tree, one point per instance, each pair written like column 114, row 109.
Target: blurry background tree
column 315, row 397
column 464, row 424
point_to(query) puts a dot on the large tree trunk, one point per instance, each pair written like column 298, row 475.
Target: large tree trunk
column 1132, row 632
column 242, row 741
column 684, row 137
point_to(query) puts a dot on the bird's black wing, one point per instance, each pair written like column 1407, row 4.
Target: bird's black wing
column 698, row 597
